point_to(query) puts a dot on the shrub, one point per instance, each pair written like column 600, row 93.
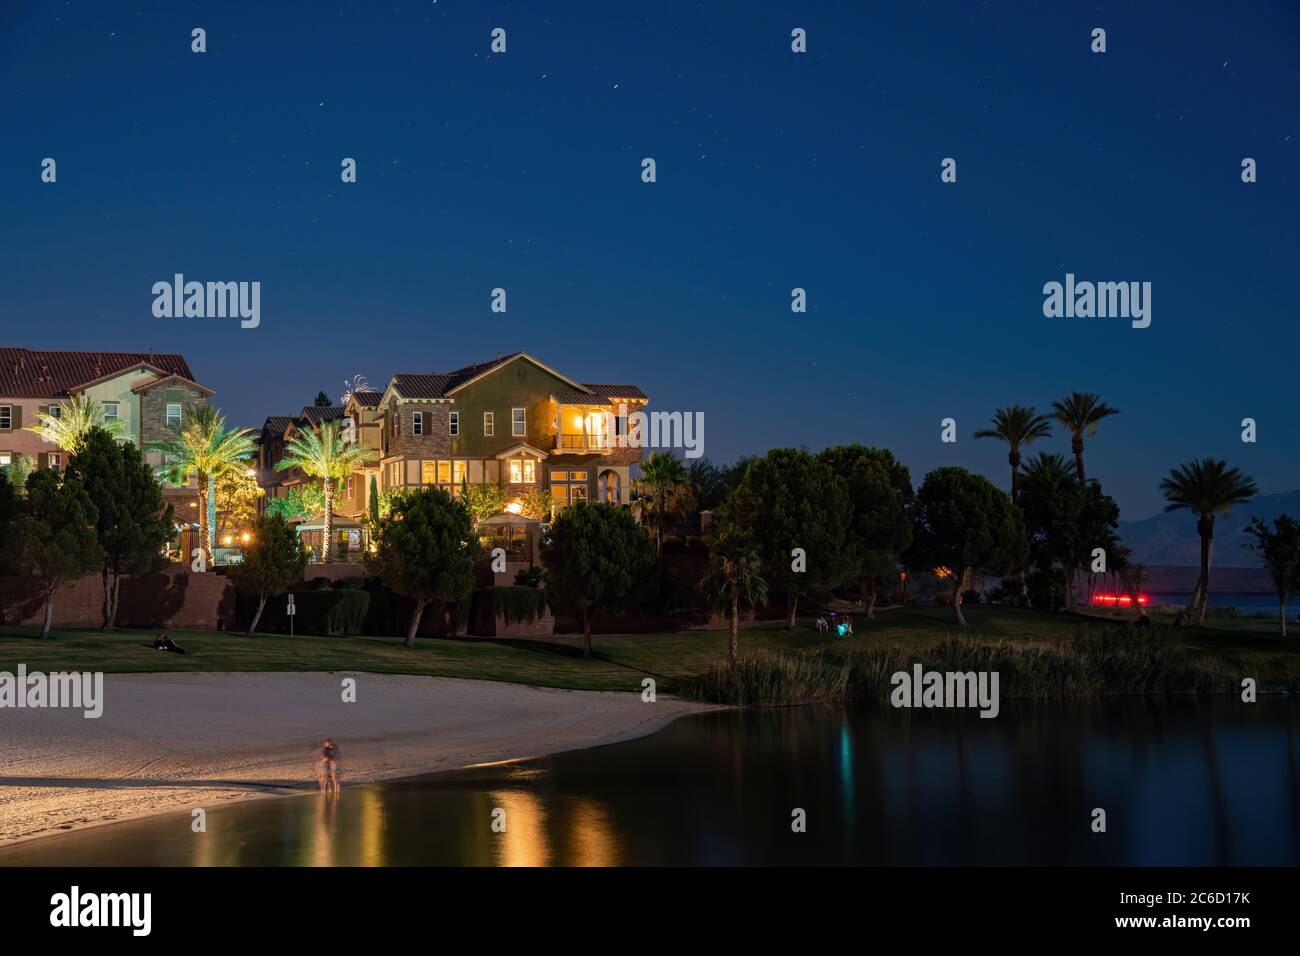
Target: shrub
column 347, row 615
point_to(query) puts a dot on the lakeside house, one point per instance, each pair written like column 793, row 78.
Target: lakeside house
column 146, row 393
column 513, row 422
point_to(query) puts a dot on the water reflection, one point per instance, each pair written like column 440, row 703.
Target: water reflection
column 1182, row 783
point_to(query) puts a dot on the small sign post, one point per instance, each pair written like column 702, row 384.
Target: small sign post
column 291, row 611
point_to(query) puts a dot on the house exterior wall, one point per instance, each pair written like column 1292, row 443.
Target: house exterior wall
column 118, row 389
column 517, row 384
column 16, row 440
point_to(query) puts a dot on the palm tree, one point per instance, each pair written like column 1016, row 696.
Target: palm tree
column 75, row 419
column 1017, row 425
column 1206, row 487
column 665, row 495
column 734, row 578
column 205, row 448
column 1080, row 412
column 322, row 453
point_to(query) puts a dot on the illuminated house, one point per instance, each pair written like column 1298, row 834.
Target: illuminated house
column 512, row 422
column 146, row 393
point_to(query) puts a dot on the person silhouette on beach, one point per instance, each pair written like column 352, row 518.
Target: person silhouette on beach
column 329, row 768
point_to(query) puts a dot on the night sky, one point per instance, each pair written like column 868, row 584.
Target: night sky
column 775, row 170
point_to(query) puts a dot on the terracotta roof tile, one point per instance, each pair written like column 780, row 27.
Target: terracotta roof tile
column 52, row 373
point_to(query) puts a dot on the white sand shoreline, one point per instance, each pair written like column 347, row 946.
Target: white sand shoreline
column 172, row 742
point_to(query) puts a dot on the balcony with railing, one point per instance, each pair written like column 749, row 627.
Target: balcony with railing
column 582, row 443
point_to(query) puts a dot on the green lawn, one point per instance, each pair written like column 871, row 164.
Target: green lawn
column 620, row 663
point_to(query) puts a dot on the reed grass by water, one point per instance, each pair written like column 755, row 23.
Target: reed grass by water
column 1127, row 661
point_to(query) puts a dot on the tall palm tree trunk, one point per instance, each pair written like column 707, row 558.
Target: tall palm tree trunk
column 1207, row 546
column 205, row 532
column 791, row 609
column 327, row 531
column 1076, row 445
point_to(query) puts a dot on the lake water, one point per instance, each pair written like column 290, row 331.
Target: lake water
column 1245, row 603
column 1182, row 782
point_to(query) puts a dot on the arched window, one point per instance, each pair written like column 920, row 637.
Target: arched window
column 611, row 487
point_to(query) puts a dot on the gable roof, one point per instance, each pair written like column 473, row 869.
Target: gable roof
column 368, row 398
column 315, row 414
column 53, row 373
column 277, row 423
column 172, row 377
column 445, row 384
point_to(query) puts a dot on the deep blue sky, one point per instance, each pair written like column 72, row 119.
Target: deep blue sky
column 775, row 170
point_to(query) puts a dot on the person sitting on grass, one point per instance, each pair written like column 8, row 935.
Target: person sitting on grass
column 165, row 643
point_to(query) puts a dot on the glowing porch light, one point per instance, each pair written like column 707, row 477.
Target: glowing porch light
column 514, row 507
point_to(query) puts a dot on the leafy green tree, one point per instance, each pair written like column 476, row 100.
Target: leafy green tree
column 53, row 537
column 1206, row 487
column 962, row 523
column 322, row 453
column 1080, row 413
column 1065, row 519
column 75, row 419
column 322, row 400
column 1132, row 575
column 734, row 579
column 425, row 550
column 18, row 472
column 1017, row 425
column 271, row 565
column 132, row 522
column 374, row 503
column 1279, row 549
column 798, row 511
column 664, row 495
column 485, row 500
column 537, row 504
column 299, row 501
column 880, row 529
column 596, row 558
column 203, row 448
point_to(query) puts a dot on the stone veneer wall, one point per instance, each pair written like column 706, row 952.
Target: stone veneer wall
column 153, row 407
column 435, row 442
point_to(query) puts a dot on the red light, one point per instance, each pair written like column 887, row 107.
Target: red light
column 1117, row 600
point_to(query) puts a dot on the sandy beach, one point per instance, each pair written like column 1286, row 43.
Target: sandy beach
column 171, row 742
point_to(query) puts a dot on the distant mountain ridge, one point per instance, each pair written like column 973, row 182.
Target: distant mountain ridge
column 1170, row 538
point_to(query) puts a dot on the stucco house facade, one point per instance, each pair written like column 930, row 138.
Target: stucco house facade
column 514, row 422
column 148, row 394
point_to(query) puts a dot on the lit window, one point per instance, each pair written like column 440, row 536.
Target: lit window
column 458, row 474
column 518, row 422
column 523, row 471
column 454, row 424
column 444, row 472
column 489, row 425
column 6, row 458
column 55, row 460
column 417, row 423
column 110, row 411
column 173, row 415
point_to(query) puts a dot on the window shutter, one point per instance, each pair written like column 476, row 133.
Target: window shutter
column 17, row 420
